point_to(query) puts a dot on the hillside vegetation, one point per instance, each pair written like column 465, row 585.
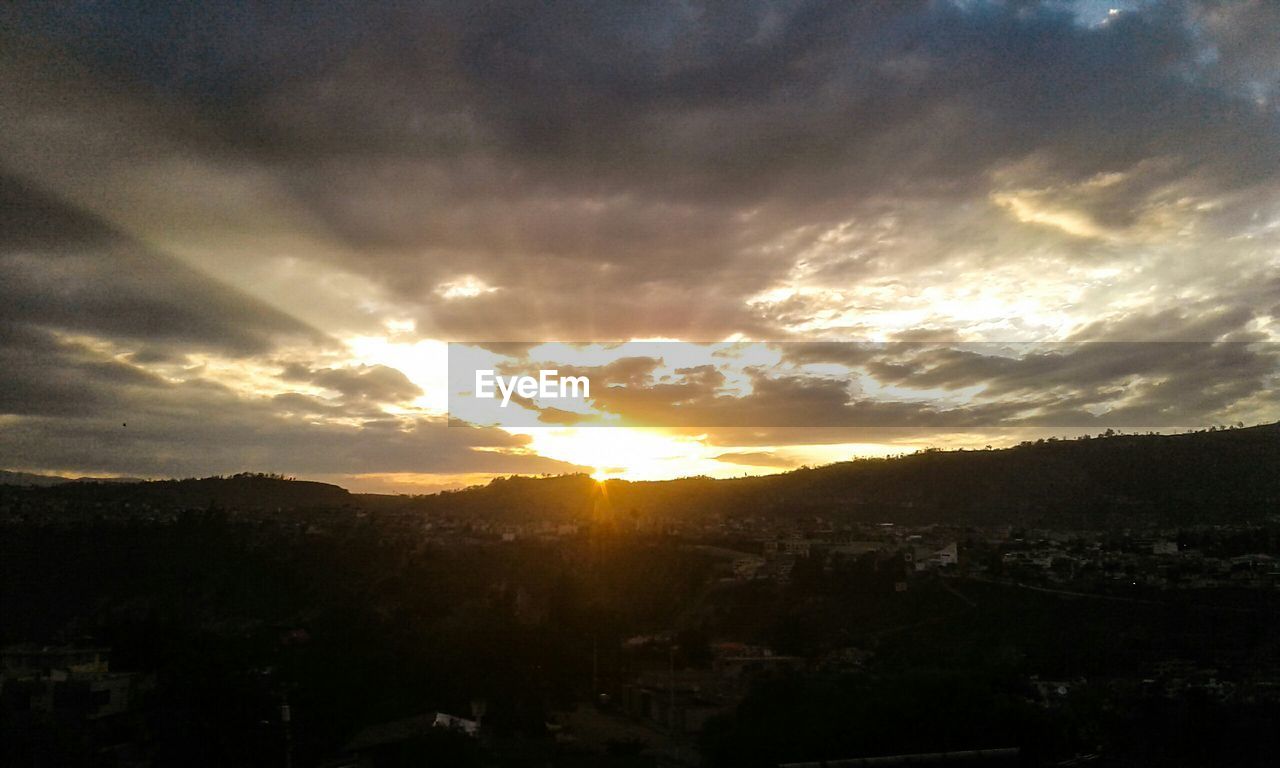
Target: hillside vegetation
column 1204, row 477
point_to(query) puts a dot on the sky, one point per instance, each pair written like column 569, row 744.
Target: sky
column 240, row 237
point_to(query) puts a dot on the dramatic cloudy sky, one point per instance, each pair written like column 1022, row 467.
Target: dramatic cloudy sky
column 247, row 233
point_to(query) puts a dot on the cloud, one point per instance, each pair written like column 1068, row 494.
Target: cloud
column 608, row 172
column 67, row 406
column 914, row 387
column 96, row 337
column 68, row 270
column 375, row 383
column 756, row 459
column 201, row 197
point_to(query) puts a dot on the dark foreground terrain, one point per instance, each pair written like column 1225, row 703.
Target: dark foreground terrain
column 846, row 612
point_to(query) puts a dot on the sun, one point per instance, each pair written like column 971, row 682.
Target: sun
column 626, row 453
column 619, row 452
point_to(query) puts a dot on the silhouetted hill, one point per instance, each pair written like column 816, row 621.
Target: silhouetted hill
column 1228, row 475
column 30, row 479
column 561, row 496
column 1124, row 479
column 246, row 491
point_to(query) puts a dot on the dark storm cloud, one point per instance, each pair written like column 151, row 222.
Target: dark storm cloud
column 42, row 376
column 256, row 438
column 1243, row 60
column 72, row 283
column 1185, row 323
column 790, row 401
column 68, row 271
column 1165, row 381
column 621, row 170
column 376, row 383
column 634, row 93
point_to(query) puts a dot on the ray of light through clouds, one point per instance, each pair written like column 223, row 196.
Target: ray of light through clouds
column 250, row 232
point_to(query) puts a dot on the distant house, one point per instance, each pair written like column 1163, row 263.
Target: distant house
column 856, row 548
column 681, row 703
column 748, row 568
column 455, row 723
column 927, row 558
column 68, row 680
column 368, row 748
column 948, row 555
column 794, row 546
column 797, row 547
